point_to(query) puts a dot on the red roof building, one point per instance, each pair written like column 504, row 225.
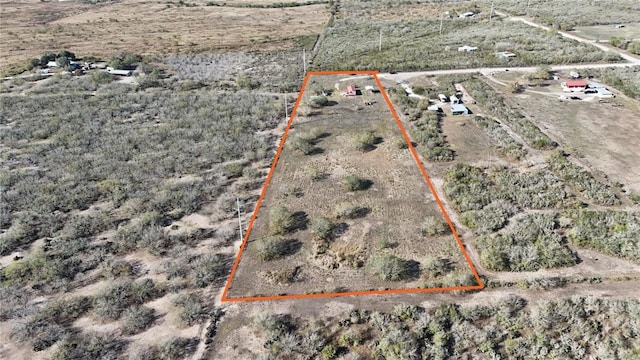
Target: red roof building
column 350, row 91
column 571, row 84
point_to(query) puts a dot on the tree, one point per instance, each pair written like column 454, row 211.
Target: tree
column 281, row 220
column 515, row 87
column 390, row 267
column 318, row 101
column 271, row 248
column 542, row 72
column 355, row 183
column 321, row 228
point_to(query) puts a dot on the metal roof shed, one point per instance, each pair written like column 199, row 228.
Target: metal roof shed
column 459, row 109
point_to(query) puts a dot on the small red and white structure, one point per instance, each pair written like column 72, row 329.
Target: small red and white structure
column 574, row 85
column 350, row 91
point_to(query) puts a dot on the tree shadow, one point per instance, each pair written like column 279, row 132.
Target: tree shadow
column 300, row 220
column 365, row 184
column 412, row 270
column 339, row 230
column 292, row 246
column 361, row 212
column 316, row 151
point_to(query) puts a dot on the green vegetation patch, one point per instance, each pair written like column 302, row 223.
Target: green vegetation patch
column 529, row 243
column 494, row 102
column 425, row 126
column 612, row 232
column 508, row 328
column 409, row 45
column 581, row 180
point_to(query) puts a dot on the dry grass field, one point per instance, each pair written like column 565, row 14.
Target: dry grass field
column 630, row 31
column 31, row 27
column 395, row 207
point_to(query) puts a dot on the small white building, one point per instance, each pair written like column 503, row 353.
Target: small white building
column 467, row 49
column 52, row 64
column 506, row 55
column 459, row 109
column 433, row 107
column 443, row 99
column 454, row 99
column 467, row 14
column 113, row 71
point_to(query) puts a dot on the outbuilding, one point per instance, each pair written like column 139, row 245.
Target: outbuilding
column 574, row 85
column 459, row 109
column 467, row 49
column 113, row 71
column 604, row 93
column 454, row 99
column 506, row 55
column 350, row 91
column 442, row 98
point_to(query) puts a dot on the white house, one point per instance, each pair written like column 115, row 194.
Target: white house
column 467, row 49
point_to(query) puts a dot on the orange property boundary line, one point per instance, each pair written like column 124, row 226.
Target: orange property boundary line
column 349, row 293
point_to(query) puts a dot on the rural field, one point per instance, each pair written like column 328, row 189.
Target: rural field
column 31, row 28
column 349, row 206
column 121, row 193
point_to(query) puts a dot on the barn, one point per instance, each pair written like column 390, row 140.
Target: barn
column 574, row 85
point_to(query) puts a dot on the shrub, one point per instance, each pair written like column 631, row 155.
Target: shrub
column 365, row 141
column 434, row 226
column 347, row 210
column 137, row 319
column 315, row 173
column 390, row 267
column 281, row 220
column 191, row 310
column 301, row 144
column 530, row 243
column 329, row 352
column 271, row 248
column 321, row 228
column 581, row 180
column 178, row 348
column 208, row 269
column 90, row 345
column 111, row 302
column 492, row 217
column 318, row 101
column 355, row 183
column 612, row 232
column 400, row 143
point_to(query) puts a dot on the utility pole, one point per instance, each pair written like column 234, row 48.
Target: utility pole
column 239, row 219
column 441, row 18
column 380, row 42
column 491, row 13
column 286, row 111
column 304, row 60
